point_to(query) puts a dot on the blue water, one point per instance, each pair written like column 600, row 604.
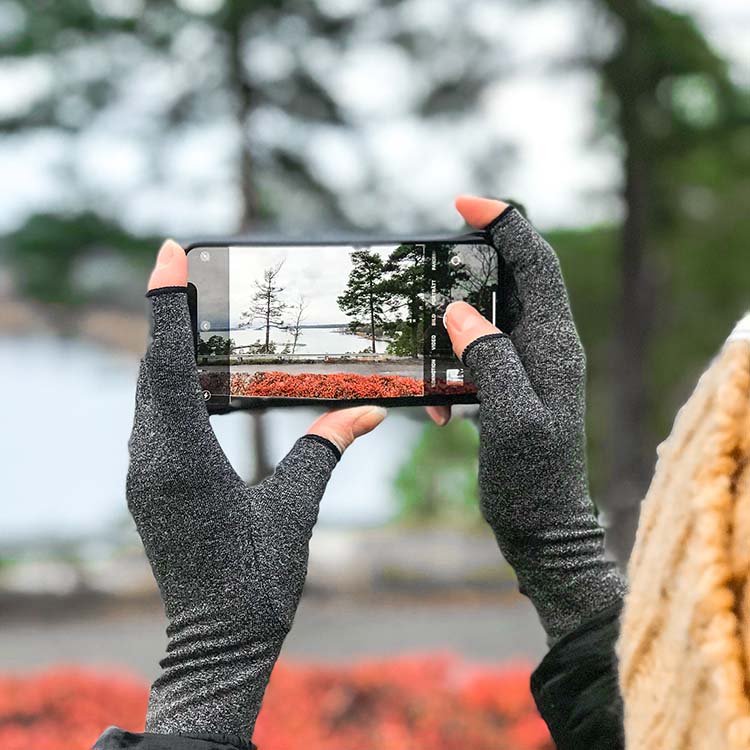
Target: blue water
column 66, row 416
column 313, row 341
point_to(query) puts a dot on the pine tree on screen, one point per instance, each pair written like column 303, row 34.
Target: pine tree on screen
column 365, row 295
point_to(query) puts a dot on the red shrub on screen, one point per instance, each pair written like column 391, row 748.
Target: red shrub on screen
column 335, row 386
column 313, row 385
column 408, row 703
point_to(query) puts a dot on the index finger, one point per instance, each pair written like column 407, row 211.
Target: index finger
column 544, row 333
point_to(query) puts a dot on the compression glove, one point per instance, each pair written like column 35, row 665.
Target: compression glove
column 532, row 462
column 230, row 560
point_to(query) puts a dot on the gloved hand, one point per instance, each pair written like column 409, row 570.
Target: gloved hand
column 230, row 560
column 532, row 462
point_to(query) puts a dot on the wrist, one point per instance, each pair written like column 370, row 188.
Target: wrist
column 215, row 672
column 565, row 573
column 564, row 600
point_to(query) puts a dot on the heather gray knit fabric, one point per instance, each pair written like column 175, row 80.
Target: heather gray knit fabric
column 230, row 560
column 532, row 467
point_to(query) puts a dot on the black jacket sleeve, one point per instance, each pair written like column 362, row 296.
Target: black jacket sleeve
column 118, row 739
column 576, row 687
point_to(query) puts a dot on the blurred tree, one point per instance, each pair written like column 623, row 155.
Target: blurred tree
column 270, row 70
column 48, row 251
column 438, row 482
column 668, row 95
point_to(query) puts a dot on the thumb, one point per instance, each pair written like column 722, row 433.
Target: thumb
column 170, row 358
column 464, row 325
column 171, row 267
column 479, row 212
column 344, row 426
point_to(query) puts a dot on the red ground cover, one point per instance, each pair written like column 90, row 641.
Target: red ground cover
column 313, row 385
column 407, row 703
column 334, row 386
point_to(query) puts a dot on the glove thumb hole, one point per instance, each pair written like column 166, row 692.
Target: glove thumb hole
column 498, row 373
column 170, row 357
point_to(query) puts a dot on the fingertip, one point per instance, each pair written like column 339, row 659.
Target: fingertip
column 479, row 212
column 368, row 420
column 171, row 267
column 440, row 415
column 465, row 324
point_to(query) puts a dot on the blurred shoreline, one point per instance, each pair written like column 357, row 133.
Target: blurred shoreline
column 386, row 564
column 369, row 594
column 114, row 328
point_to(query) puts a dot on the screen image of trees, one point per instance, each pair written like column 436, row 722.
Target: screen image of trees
column 374, row 349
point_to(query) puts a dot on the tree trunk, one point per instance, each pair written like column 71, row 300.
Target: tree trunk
column 372, row 322
column 262, row 467
column 268, row 321
column 631, row 444
column 245, row 101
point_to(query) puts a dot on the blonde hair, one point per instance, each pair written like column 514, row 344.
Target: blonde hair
column 684, row 649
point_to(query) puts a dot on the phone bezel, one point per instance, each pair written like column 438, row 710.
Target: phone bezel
column 250, row 403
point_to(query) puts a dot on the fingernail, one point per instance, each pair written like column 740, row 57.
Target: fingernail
column 166, row 253
column 462, row 315
column 379, row 410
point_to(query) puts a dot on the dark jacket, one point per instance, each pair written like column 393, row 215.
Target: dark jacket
column 575, row 689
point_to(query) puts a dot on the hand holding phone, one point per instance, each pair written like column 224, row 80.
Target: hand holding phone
column 230, row 560
column 533, row 482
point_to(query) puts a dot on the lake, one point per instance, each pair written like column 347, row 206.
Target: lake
column 64, row 443
column 312, row 340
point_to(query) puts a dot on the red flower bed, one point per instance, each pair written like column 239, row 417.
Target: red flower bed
column 408, row 703
column 67, row 708
column 314, row 385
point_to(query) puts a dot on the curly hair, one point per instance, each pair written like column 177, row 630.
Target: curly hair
column 684, row 648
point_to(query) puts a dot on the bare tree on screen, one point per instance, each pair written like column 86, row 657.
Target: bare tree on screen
column 266, row 304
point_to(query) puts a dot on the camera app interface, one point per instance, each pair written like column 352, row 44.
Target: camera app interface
column 336, row 321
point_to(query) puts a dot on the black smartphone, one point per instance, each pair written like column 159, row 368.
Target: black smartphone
column 335, row 323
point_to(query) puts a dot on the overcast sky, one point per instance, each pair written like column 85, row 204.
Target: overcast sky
column 320, row 274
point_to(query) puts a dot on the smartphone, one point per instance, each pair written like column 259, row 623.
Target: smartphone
column 335, row 323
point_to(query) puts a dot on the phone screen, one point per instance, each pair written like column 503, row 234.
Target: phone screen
column 283, row 324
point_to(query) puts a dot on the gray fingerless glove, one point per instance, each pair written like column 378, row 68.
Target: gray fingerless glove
column 532, row 464
column 230, row 560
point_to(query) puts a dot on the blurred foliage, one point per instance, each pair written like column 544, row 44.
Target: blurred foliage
column 438, row 482
column 267, row 69
column 683, row 128
column 427, row 700
column 653, row 298
column 47, row 252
